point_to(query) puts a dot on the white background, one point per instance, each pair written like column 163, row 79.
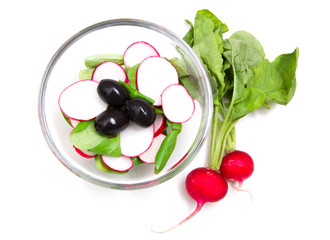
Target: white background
column 41, row 199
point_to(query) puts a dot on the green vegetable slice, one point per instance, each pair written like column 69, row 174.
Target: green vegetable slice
column 86, row 74
column 95, row 60
column 167, row 147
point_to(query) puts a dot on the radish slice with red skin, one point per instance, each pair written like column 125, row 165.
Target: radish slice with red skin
column 159, row 124
column 80, row 101
column 120, row 164
column 135, row 139
column 84, row 153
column 178, row 106
column 153, row 75
column 109, row 70
column 150, row 155
column 137, row 52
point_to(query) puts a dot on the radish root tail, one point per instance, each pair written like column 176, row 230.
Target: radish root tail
column 239, row 188
column 198, row 208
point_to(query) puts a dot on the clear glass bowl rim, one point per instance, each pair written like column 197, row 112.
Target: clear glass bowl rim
column 126, row 22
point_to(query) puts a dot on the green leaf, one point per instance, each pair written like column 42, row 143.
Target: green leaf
column 243, row 51
column 220, row 27
column 247, row 47
column 109, row 147
column 252, row 99
column 95, row 60
column 81, row 126
column 180, row 66
column 87, row 138
column 208, row 46
column 131, row 74
column 190, row 85
column 66, row 118
column 277, row 79
column 189, row 37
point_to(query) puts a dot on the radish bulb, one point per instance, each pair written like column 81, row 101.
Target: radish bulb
column 237, row 166
column 204, row 185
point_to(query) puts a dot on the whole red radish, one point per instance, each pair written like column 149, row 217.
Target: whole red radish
column 237, row 166
column 204, row 185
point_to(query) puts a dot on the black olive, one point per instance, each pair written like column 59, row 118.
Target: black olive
column 141, row 112
column 113, row 93
column 111, row 121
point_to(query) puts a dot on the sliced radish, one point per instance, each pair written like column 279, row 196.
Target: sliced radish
column 150, row 155
column 109, row 70
column 73, row 122
column 153, row 75
column 119, row 164
column 80, row 101
column 84, row 153
column 135, row 140
column 137, row 52
column 178, row 106
column 160, row 124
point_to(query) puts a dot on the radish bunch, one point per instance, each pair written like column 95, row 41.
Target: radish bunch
column 242, row 80
column 128, row 109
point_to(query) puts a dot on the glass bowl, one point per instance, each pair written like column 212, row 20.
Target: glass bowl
column 114, row 36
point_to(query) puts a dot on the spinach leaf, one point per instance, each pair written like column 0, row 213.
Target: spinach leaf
column 81, row 126
column 131, row 74
column 109, row 146
column 66, row 118
column 95, row 60
column 85, row 137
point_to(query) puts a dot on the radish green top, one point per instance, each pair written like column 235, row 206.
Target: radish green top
column 242, row 79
